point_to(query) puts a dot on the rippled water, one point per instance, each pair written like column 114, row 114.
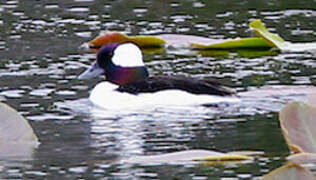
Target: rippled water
column 40, row 60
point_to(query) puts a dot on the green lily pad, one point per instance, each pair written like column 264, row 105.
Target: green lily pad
column 178, row 41
column 276, row 41
column 147, row 41
column 252, row 42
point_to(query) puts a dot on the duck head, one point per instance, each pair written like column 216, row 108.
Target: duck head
column 120, row 63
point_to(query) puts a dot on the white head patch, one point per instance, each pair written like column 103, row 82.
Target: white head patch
column 128, row 55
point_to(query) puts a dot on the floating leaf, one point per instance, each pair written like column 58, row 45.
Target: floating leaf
column 197, row 42
column 110, row 37
column 153, row 50
column 14, row 127
column 266, row 40
column 17, row 150
column 247, row 153
column 298, row 121
column 311, row 97
column 276, row 41
column 290, row 172
column 17, row 139
column 297, row 124
column 180, row 40
column 273, row 39
column 147, row 41
column 189, row 155
column 226, row 157
column 252, row 42
column 117, row 37
column 302, row 158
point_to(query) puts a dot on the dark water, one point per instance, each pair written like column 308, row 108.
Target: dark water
column 40, row 59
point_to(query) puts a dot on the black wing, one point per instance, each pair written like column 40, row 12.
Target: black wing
column 192, row 85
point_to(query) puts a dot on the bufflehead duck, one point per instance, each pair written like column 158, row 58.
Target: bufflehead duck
column 123, row 67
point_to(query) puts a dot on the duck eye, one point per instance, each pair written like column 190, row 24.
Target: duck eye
column 111, row 54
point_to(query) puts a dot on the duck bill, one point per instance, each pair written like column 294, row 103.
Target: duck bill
column 93, row 71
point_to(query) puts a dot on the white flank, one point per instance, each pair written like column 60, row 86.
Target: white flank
column 105, row 96
column 128, row 55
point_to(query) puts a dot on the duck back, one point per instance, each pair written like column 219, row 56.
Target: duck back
column 189, row 84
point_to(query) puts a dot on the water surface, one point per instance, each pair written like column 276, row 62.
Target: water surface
column 40, row 60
